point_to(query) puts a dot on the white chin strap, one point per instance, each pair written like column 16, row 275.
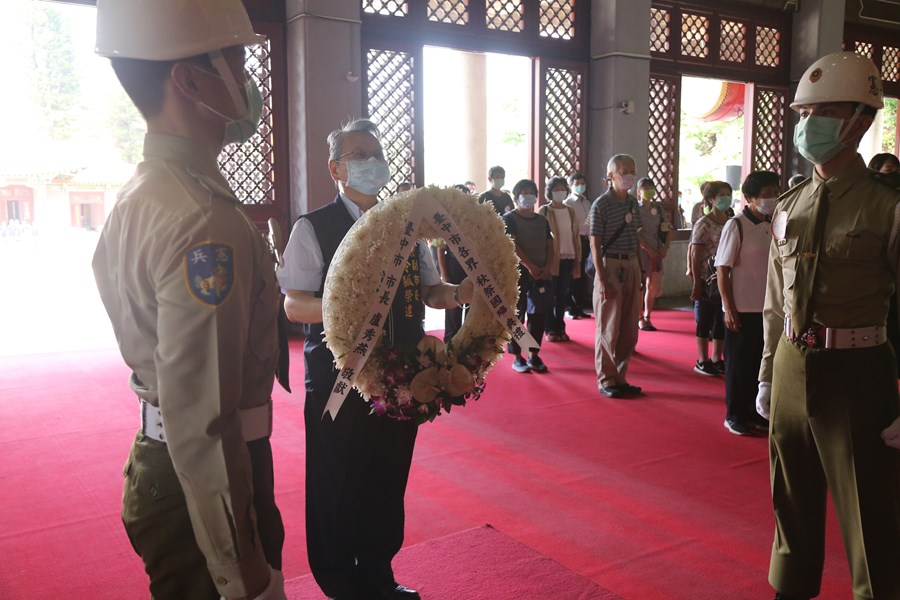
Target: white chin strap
column 850, row 123
column 234, row 90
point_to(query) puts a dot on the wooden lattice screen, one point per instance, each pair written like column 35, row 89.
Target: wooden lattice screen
column 448, row 11
column 705, row 42
column 882, row 47
column 768, row 139
column 391, row 8
column 249, row 168
column 562, row 123
column 390, row 83
column 662, row 155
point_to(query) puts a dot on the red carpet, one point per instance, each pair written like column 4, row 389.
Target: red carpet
column 479, row 564
column 649, row 498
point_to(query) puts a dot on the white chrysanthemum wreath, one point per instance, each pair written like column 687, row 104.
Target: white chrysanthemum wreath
column 418, row 383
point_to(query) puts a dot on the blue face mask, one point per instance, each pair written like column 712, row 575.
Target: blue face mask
column 368, row 176
column 723, row 203
column 818, row 139
column 580, row 188
column 241, row 130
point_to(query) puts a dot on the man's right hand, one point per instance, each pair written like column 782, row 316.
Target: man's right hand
column 764, row 399
column 607, row 292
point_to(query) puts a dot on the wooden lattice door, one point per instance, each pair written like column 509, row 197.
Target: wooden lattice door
column 393, row 104
column 765, row 140
column 249, row 168
column 662, row 155
column 560, row 120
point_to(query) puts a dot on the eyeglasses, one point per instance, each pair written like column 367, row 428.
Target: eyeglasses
column 360, row 155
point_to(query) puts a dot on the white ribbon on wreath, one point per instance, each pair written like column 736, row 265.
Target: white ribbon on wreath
column 424, row 208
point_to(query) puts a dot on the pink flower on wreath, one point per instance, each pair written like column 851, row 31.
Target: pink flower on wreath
column 404, row 396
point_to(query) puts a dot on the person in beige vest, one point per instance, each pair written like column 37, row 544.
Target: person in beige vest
column 189, row 285
column 828, row 379
column 566, row 264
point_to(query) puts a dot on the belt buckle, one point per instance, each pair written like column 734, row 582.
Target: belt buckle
column 810, row 337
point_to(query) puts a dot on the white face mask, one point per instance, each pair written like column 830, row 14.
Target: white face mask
column 497, row 183
column 767, row 205
column 559, row 196
column 527, row 200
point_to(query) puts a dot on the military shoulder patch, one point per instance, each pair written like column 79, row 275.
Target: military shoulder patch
column 209, row 272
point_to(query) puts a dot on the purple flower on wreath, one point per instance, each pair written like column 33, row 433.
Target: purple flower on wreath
column 379, row 405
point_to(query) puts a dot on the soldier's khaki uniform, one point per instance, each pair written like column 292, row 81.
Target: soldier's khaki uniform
column 190, row 288
column 830, row 405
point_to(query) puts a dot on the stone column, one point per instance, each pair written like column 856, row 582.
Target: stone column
column 473, row 112
column 324, row 91
column 620, row 72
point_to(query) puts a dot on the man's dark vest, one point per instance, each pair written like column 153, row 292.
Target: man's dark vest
column 404, row 325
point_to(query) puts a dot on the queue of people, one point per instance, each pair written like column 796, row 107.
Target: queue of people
column 190, row 288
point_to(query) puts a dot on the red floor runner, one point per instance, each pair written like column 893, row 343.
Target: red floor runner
column 650, row 498
column 478, row 564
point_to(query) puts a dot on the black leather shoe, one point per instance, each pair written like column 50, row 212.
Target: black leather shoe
column 632, row 390
column 392, row 592
column 610, row 391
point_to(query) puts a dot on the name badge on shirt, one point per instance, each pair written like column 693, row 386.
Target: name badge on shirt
column 779, row 225
column 628, row 217
column 653, row 211
column 209, row 272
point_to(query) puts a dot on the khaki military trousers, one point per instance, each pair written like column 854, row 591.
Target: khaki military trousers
column 156, row 519
column 617, row 320
column 828, row 410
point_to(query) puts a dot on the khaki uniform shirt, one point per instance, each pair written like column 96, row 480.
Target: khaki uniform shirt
column 189, row 285
column 857, row 267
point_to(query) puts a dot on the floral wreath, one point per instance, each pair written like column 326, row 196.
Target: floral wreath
column 418, row 383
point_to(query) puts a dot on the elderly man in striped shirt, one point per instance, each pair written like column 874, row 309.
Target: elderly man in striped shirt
column 615, row 220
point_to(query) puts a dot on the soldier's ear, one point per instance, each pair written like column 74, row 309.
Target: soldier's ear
column 183, row 78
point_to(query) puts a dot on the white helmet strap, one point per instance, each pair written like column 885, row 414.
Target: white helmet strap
column 234, row 90
column 846, row 129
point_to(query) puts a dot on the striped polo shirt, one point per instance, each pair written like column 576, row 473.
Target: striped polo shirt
column 607, row 214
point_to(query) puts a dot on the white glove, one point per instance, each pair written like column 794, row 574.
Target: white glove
column 275, row 589
column 764, row 398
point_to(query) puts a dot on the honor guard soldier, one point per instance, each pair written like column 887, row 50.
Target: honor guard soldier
column 189, row 285
column 827, row 367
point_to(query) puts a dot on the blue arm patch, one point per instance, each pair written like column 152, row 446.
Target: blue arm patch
column 209, row 272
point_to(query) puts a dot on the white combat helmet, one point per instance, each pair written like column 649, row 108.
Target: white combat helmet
column 840, row 77
column 171, row 29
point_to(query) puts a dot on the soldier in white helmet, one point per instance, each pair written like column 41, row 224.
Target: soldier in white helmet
column 189, row 285
column 827, row 367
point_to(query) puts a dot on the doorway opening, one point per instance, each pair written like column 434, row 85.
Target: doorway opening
column 711, row 144
column 478, row 113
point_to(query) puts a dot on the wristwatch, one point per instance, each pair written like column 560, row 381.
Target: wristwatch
column 456, row 298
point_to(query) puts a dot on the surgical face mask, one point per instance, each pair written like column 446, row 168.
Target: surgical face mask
column 559, row 196
column 241, row 130
column 648, row 193
column 579, row 188
column 818, row 139
column 627, row 181
column 527, row 200
column 723, row 203
column 767, row 205
column 368, row 176
column 497, row 183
